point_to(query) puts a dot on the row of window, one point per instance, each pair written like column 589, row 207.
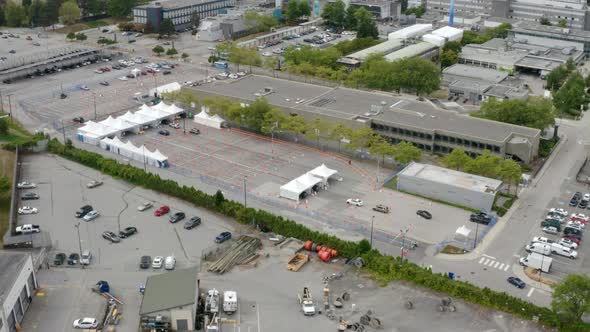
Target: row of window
column 199, row 8
column 401, row 131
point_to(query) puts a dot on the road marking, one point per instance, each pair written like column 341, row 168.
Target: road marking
column 501, row 266
column 481, row 260
column 530, row 292
column 490, row 257
column 515, row 255
column 496, row 265
column 506, row 268
column 485, row 262
column 491, row 263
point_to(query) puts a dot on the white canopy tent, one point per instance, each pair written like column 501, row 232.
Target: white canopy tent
column 120, row 124
column 129, row 150
column 159, row 115
column 166, row 88
column 213, row 121
column 173, row 109
column 139, row 119
column 293, row 189
column 323, row 172
column 92, row 132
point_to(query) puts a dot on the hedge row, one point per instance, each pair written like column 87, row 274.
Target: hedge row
column 384, row 268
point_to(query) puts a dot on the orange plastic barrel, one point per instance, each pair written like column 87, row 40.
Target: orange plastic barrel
column 308, row 244
column 319, row 248
column 334, row 253
column 324, row 255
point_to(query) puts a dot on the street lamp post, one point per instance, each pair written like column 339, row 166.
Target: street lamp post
column 144, row 163
column 476, row 231
column 77, row 226
column 372, row 222
column 184, row 125
column 63, row 129
column 94, row 98
column 10, row 106
column 245, row 205
column 403, row 232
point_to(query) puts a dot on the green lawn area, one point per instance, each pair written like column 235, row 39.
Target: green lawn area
column 7, row 160
column 96, row 24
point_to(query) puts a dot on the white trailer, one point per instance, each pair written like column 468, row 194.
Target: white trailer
column 537, row 261
column 230, row 302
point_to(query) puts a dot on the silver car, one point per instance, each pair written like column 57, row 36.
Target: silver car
column 91, row 215
column 144, row 206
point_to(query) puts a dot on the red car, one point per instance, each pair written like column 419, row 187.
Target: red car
column 106, row 69
column 151, row 71
column 130, row 76
column 162, row 210
column 573, row 239
column 143, row 73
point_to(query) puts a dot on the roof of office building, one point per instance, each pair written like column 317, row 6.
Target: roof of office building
column 551, row 31
column 484, row 74
column 411, row 51
column 349, row 104
column 173, row 4
column 12, row 264
column 451, row 177
column 491, row 55
column 169, row 290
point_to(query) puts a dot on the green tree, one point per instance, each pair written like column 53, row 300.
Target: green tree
column 271, row 63
column 360, row 139
column 448, row 58
column 71, row 36
column 486, row 164
column 158, row 50
column 334, row 14
column 404, row 5
column 350, row 22
column 317, row 128
column 535, row 112
column 571, row 297
column 510, row 172
column 366, row 26
column 120, row 8
column 272, row 121
column 171, row 51
column 258, row 22
column 254, row 114
column 37, row 14
column 419, row 75
column 293, row 13
column 457, row 159
column 81, row 36
column 587, row 80
column 544, row 21
column 184, row 56
column 219, row 199
column 304, row 8
column 557, row 77
column 52, row 10
column 571, row 95
column 2, row 20
column 562, row 23
column 454, row 46
column 339, row 133
column 15, row 15
column 418, row 11
column 94, row 7
column 295, row 124
column 69, row 12
column 381, row 147
column 406, row 152
column 3, row 126
column 167, row 27
column 195, row 20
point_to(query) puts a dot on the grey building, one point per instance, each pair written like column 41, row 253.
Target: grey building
column 574, row 12
column 421, row 123
column 180, row 11
column 448, row 185
column 552, row 35
column 381, row 9
column 478, row 84
column 17, row 285
column 173, row 297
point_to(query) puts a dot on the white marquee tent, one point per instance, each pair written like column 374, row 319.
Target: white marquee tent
column 214, row 121
column 293, row 189
column 166, row 88
column 120, row 124
column 323, row 172
column 129, row 150
column 139, row 119
column 92, row 132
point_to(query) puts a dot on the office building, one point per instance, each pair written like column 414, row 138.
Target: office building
column 381, row 9
column 421, row 123
column 17, row 285
column 551, row 35
column 574, row 13
column 180, row 11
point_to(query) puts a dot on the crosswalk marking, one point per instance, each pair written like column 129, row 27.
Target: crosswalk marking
column 481, row 260
column 484, row 260
column 501, row 266
column 491, row 263
column 496, row 265
column 506, row 268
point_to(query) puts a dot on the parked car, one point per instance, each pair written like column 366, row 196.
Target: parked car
column 108, row 235
column 78, row 119
column 550, row 230
column 164, row 132
column 480, row 218
column 127, row 232
column 170, row 263
column 568, row 243
column 224, row 236
column 27, row 210
column 145, row 262
column 86, row 323
column 29, row 196
column 73, row 259
column 144, row 206
column 105, row 83
column 192, row 223
column 59, row 258
column 91, row 215
column 26, row 185
column 122, row 78
column 86, row 257
column 162, row 210
column 354, row 201
column 167, row 72
column 381, row 208
column 178, row 216
column 424, row 214
column 93, row 184
column 84, row 87
column 559, row 211
column 157, row 263
column 174, row 125
column 195, row 131
column 83, row 211
column 573, row 239
column 516, row 282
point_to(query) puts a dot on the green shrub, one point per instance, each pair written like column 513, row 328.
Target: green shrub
column 546, row 146
column 383, row 268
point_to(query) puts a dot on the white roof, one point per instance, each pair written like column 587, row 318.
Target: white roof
column 137, row 118
column 451, row 177
column 96, row 129
column 170, row 87
column 448, row 32
column 412, row 31
column 153, row 113
column 117, row 123
column 434, row 39
column 173, row 109
column 295, row 186
column 323, row 171
column 308, row 180
column 157, row 155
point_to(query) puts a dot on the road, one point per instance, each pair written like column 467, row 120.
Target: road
column 506, row 245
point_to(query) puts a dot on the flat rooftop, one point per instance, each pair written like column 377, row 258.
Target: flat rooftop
column 484, row 74
column 173, row 4
column 451, row 177
column 411, row 51
column 384, row 47
column 345, row 103
column 12, row 263
column 169, row 290
column 551, row 31
column 491, row 55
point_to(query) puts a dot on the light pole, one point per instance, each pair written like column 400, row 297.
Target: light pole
column 403, row 241
column 77, row 226
column 10, row 106
column 144, row 164
column 63, row 129
column 184, row 124
column 94, row 98
column 372, row 222
column 476, row 231
column 245, row 206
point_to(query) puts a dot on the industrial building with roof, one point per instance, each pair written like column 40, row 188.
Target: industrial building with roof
column 180, row 11
column 473, row 191
column 423, row 124
column 17, row 285
column 171, row 299
column 551, row 35
column 478, row 84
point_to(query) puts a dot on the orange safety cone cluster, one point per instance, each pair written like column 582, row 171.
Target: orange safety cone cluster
column 324, row 253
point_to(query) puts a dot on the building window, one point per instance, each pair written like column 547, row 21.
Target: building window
column 496, row 148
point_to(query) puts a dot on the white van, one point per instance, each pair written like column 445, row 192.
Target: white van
column 563, row 251
column 86, row 257
column 230, row 302
column 539, row 248
column 170, row 263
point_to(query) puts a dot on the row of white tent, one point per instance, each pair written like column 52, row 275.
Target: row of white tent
column 129, row 150
column 306, row 182
column 93, row 132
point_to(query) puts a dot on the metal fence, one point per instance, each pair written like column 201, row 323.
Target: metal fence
column 470, row 243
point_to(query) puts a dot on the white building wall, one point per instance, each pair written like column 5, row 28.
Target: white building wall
column 446, row 193
column 13, row 298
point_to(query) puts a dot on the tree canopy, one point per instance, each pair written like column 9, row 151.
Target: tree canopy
column 366, row 26
column 167, row 27
column 535, row 112
column 259, row 22
column 296, row 9
column 571, row 96
column 69, row 12
column 14, row 14
column 334, row 14
column 120, row 8
column 571, row 297
column 472, row 37
column 557, row 77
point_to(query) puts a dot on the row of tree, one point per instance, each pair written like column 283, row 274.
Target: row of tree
column 571, row 298
column 571, row 98
column 534, row 112
column 297, row 10
column 473, row 37
column 338, row 17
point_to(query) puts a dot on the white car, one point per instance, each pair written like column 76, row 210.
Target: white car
column 354, row 201
column 27, row 210
column 157, row 262
column 241, row 74
column 541, row 239
column 123, row 78
column 550, row 230
column 144, row 206
column 568, row 243
column 233, row 76
column 91, row 215
column 26, row 185
column 84, row 87
column 93, row 184
column 86, row 323
column 559, row 211
column 586, row 197
column 266, row 54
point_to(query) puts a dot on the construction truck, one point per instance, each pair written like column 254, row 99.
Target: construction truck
column 212, row 301
column 306, row 302
column 230, row 302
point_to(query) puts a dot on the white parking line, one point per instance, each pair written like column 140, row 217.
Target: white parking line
column 530, row 292
column 490, row 257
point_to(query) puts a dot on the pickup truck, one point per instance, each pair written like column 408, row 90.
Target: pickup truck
column 381, row 208
column 27, row 229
